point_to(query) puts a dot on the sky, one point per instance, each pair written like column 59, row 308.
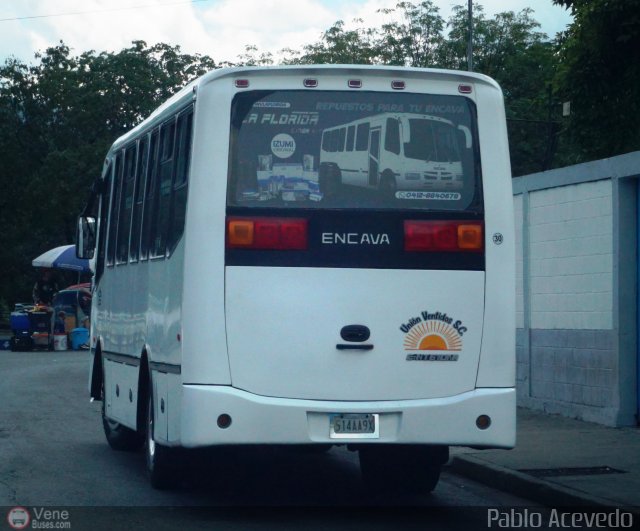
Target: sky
column 218, row 28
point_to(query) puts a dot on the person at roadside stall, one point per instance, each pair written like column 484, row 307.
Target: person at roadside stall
column 58, row 325
column 45, row 288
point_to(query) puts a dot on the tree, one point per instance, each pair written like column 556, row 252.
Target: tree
column 340, row 46
column 416, row 39
column 510, row 48
column 57, row 120
column 600, row 75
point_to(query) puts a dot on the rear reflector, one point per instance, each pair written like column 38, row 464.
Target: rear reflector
column 443, row 236
column 267, row 233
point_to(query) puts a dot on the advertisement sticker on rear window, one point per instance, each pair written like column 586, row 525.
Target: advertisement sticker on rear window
column 345, row 150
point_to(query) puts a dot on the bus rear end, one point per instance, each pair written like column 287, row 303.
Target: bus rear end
column 368, row 269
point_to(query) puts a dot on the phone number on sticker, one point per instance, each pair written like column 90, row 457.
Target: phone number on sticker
column 440, row 196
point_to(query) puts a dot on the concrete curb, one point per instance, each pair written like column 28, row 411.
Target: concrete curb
column 526, row 486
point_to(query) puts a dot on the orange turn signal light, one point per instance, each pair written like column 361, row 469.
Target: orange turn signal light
column 240, row 233
column 470, row 236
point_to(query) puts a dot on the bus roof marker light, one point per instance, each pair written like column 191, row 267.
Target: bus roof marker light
column 310, row 82
column 354, row 83
column 465, row 89
column 398, row 85
column 242, row 83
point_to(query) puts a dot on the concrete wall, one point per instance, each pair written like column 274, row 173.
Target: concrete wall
column 576, row 290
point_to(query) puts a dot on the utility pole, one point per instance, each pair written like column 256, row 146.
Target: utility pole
column 470, row 43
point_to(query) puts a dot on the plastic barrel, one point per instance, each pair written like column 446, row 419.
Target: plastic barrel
column 79, row 337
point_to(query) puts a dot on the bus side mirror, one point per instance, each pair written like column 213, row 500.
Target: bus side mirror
column 86, row 237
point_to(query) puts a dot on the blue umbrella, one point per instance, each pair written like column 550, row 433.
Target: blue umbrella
column 63, row 257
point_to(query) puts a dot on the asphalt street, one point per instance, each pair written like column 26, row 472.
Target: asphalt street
column 53, row 454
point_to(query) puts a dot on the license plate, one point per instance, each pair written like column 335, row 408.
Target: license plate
column 354, row 426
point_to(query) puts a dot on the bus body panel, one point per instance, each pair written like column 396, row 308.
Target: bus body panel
column 266, row 420
column 497, row 358
column 284, row 332
column 259, row 342
column 203, row 312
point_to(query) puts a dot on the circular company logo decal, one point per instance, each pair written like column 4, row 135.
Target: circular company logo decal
column 18, row 518
column 283, row 146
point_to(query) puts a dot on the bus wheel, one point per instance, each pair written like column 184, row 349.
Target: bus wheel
column 388, row 185
column 398, row 468
column 329, row 179
column 162, row 462
column 118, row 436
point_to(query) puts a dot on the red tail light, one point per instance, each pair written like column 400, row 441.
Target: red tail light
column 443, row 236
column 267, row 233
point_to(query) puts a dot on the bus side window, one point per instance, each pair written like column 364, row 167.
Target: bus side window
column 138, row 199
column 166, row 168
column 392, row 136
column 104, row 218
column 326, row 136
column 351, row 137
column 114, row 211
column 126, row 205
column 150, row 196
column 341, row 135
column 180, row 185
column 362, row 137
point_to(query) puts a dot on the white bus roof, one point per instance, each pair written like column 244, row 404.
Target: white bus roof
column 304, row 70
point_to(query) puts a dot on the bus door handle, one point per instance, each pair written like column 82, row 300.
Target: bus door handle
column 351, row 346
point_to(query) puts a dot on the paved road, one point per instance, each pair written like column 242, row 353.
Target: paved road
column 53, row 453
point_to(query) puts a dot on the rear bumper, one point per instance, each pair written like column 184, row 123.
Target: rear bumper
column 267, row 420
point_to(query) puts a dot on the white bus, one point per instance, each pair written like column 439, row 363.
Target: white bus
column 244, row 293
column 392, row 151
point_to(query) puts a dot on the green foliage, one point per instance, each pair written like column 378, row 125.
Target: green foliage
column 57, row 120
column 340, row 46
column 599, row 73
column 510, row 49
column 416, row 40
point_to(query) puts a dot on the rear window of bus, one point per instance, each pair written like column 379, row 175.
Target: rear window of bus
column 371, row 150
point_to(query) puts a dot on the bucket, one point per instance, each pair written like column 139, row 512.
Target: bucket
column 40, row 339
column 59, row 341
column 79, row 337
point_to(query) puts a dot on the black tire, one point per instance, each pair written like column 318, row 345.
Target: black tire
column 163, row 463
column 402, row 468
column 388, row 185
column 118, row 436
column 329, row 179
